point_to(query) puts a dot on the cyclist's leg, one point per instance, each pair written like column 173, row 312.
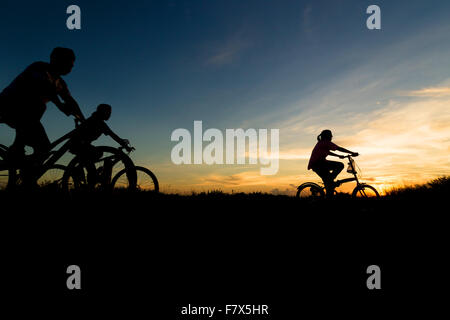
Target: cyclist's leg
column 334, row 168
column 88, row 156
column 328, row 170
column 91, row 157
column 323, row 173
column 5, row 111
column 37, row 138
column 10, row 116
column 34, row 135
column 16, row 151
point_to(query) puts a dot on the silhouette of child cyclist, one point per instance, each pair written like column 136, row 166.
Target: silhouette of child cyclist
column 326, row 169
column 23, row 103
column 90, row 130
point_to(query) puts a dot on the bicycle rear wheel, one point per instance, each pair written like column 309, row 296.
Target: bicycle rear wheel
column 11, row 177
column 96, row 174
column 310, row 190
column 146, row 180
column 365, row 191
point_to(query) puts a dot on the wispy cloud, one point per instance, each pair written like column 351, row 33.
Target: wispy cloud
column 435, row 92
column 307, row 20
column 228, row 51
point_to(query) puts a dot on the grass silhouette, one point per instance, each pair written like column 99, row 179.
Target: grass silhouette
column 397, row 204
column 434, row 188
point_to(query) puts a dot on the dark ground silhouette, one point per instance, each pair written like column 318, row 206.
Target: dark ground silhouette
column 139, row 251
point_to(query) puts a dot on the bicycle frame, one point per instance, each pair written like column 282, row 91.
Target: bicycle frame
column 56, row 155
column 108, row 163
column 52, row 156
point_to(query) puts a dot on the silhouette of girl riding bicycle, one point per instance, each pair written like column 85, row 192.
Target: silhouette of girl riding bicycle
column 326, row 169
column 329, row 170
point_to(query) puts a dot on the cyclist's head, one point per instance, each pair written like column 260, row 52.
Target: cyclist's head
column 325, row 135
column 103, row 111
column 62, row 60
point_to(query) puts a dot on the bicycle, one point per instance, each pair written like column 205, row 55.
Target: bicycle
column 362, row 190
column 106, row 173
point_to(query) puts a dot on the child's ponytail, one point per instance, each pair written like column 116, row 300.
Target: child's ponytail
column 319, row 137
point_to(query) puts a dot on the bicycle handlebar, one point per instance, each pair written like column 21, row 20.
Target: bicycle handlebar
column 349, row 155
column 128, row 148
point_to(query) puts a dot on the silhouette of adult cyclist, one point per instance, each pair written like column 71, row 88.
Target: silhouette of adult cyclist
column 23, row 102
column 326, row 169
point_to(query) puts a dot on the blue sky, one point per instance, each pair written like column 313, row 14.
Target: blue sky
column 300, row 66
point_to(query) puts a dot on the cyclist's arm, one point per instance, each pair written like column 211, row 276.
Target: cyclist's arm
column 346, row 151
column 73, row 106
column 334, row 155
column 70, row 105
column 61, row 106
column 107, row 131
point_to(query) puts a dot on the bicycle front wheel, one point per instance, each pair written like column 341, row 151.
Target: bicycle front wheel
column 146, row 180
column 53, row 176
column 4, row 174
column 365, row 191
column 310, row 190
